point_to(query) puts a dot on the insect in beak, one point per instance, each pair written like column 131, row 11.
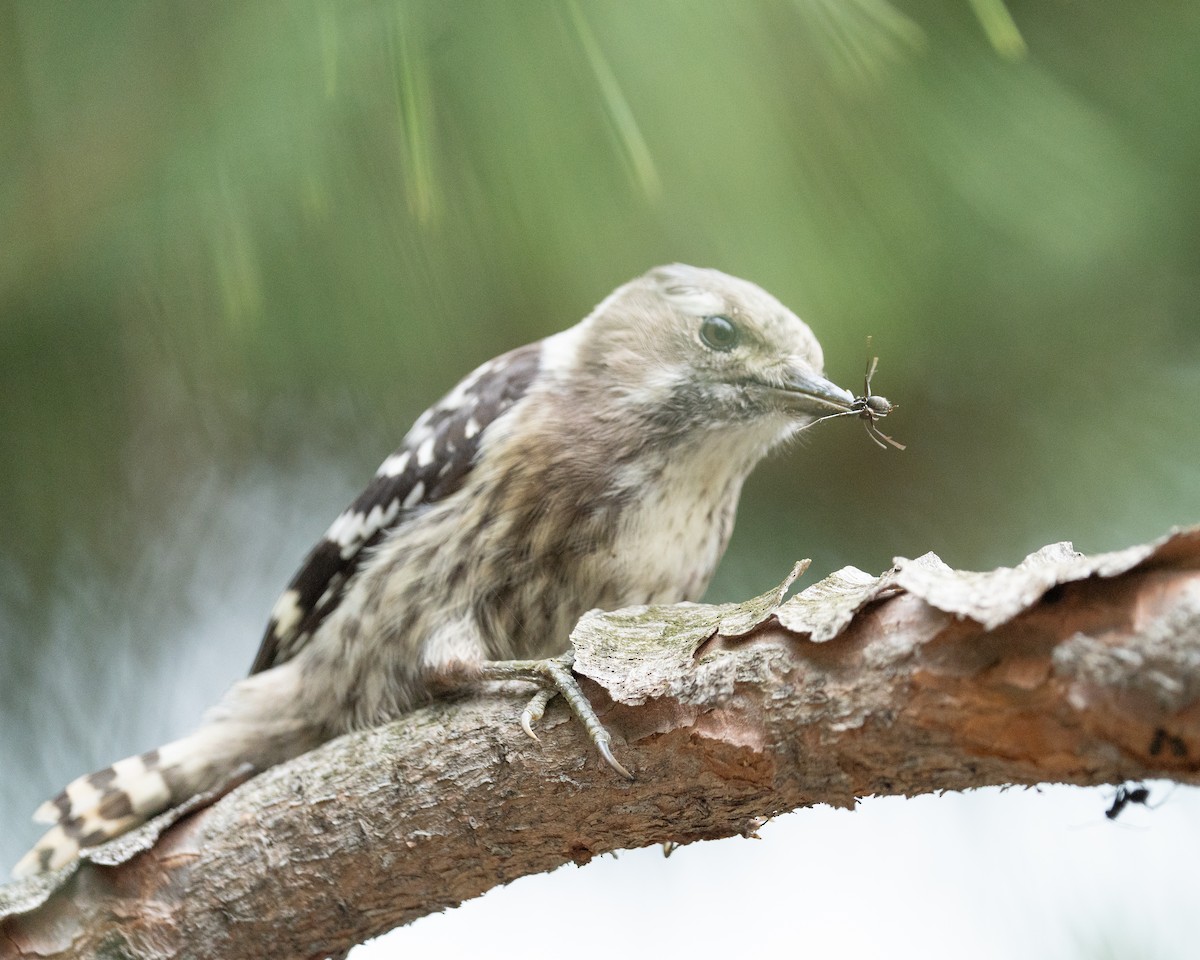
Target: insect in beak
column 869, row 408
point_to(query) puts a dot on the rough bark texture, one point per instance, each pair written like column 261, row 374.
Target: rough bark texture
column 1064, row 669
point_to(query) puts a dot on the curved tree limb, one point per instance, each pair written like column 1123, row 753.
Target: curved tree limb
column 1064, row 669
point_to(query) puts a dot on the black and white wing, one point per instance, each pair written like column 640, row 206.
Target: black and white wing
column 433, row 462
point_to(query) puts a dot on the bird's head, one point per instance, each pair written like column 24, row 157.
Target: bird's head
column 687, row 350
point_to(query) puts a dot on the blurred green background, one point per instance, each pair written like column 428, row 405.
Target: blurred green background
column 244, row 244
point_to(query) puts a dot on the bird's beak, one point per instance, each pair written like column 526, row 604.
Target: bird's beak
column 813, row 394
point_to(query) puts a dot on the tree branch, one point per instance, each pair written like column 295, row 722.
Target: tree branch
column 1065, row 669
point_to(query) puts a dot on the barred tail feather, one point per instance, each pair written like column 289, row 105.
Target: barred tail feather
column 102, row 805
column 263, row 720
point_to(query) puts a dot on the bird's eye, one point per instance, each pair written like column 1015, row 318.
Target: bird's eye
column 719, row 333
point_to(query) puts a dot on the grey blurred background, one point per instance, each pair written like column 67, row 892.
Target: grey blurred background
column 244, row 244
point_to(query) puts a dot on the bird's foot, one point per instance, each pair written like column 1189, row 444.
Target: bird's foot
column 555, row 678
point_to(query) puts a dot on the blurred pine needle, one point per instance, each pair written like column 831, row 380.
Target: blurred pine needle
column 636, row 153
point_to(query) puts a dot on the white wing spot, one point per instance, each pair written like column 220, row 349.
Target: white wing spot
column 454, row 399
column 422, row 421
column 286, row 612
column 425, row 452
column 378, row 518
column 414, row 495
column 347, row 529
column 374, row 519
column 394, row 465
column 351, row 528
column 471, row 428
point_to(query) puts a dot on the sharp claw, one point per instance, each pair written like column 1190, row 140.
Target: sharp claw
column 555, row 677
column 527, row 721
column 535, row 710
column 606, row 752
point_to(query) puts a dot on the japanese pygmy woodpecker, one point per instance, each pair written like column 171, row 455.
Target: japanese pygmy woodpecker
column 599, row 467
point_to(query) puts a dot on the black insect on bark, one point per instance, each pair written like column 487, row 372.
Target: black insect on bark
column 1125, row 796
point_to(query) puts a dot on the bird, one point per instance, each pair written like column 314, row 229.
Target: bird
column 599, row 467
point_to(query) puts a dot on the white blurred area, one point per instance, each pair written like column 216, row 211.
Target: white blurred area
column 990, row 875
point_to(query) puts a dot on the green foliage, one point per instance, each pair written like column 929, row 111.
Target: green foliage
column 234, row 231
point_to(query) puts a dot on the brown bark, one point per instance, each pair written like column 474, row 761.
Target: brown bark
column 1065, row 669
